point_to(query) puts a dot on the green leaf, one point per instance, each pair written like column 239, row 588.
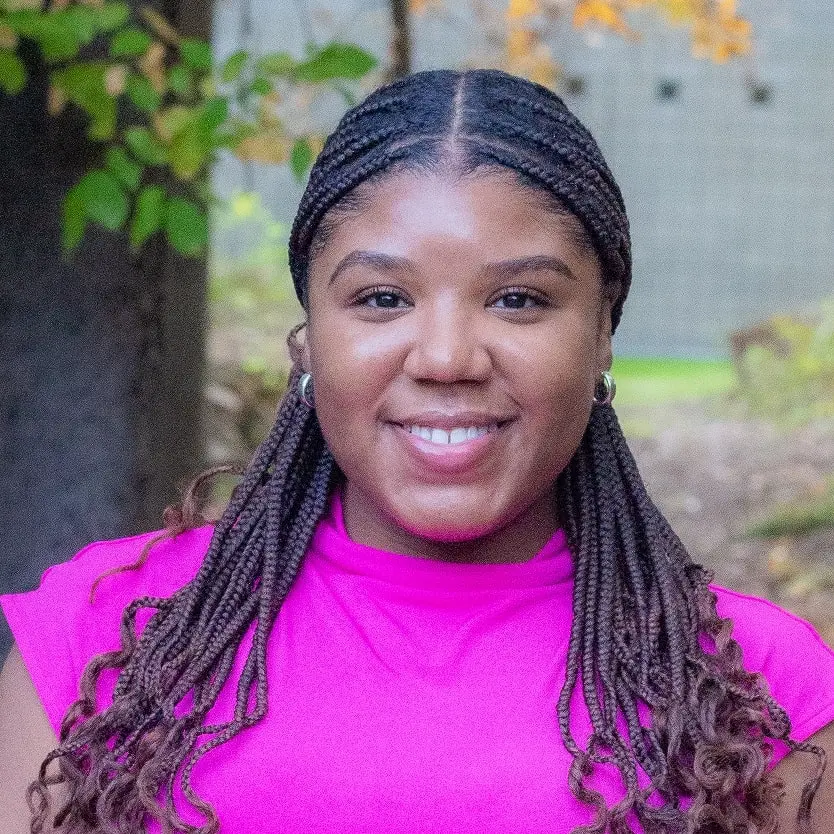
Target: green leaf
column 213, row 113
column 129, row 43
column 57, row 43
column 84, row 85
column 181, row 80
column 112, row 15
column 301, row 158
column 104, row 199
column 277, row 63
column 196, row 54
column 74, row 220
column 81, row 21
column 336, row 60
column 261, row 86
column 141, row 92
column 148, row 214
column 56, row 38
column 123, row 167
column 12, row 73
column 233, row 66
column 188, row 153
column 186, row 226
column 103, row 119
column 175, row 119
column 145, row 147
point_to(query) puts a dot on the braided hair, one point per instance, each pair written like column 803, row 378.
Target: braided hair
column 645, row 632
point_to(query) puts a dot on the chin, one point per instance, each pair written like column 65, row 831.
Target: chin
column 455, row 528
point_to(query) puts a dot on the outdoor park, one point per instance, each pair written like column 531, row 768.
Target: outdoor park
column 152, row 157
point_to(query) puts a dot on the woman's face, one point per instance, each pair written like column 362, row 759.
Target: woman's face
column 456, row 330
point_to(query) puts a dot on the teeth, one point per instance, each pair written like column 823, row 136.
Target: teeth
column 439, row 436
column 457, row 435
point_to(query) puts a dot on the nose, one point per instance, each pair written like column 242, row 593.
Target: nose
column 449, row 345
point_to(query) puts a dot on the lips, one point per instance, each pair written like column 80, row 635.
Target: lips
column 438, row 451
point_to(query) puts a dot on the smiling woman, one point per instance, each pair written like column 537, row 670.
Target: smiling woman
column 440, row 599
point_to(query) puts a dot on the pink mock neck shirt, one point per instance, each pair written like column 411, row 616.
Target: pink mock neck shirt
column 405, row 695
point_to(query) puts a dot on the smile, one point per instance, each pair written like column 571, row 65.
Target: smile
column 452, row 437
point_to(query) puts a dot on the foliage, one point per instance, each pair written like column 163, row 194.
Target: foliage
column 161, row 105
column 786, row 370
column 811, row 513
column 645, row 381
column 251, row 302
column 523, row 33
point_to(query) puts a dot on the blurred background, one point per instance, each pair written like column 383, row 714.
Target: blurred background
column 152, row 158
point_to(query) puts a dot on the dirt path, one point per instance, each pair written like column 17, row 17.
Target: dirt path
column 713, row 476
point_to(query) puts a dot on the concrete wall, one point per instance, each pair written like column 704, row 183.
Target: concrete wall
column 731, row 201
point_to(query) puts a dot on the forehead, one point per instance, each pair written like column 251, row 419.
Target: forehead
column 488, row 209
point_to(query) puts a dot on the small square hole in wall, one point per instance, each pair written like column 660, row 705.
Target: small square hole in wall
column 761, row 93
column 668, row 89
column 575, row 85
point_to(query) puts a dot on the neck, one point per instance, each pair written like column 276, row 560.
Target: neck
column 515, row 540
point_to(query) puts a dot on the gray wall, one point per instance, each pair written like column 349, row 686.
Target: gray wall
column 731, row 202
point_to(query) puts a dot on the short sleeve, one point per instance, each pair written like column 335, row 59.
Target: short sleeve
column 797, row 665
column 58, row 630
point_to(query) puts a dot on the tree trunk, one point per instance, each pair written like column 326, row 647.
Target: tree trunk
column 401, row 42
column 101, row 355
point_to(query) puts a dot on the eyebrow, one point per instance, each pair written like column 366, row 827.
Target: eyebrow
column 504, row 269
column 535, row 263
column 375, row 260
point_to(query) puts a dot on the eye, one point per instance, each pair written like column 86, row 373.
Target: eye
column 382, row 298
column 519, row 298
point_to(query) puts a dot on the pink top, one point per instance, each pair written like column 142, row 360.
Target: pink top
column 405, row 694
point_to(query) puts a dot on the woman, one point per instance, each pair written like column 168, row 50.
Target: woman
column 440, row 599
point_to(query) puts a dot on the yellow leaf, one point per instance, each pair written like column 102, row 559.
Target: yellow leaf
column 422, row 6
column 8, row 38
column 152, row 65
column 270, row 146
column 161, row 26
column 603, row 13
column 519, row 44
column 114, row 79
column 517, row 9
column 530, row 57
column 56, row 101
column 316, row 142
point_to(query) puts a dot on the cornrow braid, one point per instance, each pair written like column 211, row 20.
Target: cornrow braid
column 645, row 633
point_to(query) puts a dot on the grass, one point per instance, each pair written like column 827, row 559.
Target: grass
column 806, row 515
column 657, row 380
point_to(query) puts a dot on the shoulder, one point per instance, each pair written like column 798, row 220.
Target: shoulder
column 59, row 628
column 762, row 625
column 789, row 653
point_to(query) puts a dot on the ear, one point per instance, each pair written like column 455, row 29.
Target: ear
column 298, row 346
column 604, row 351
column 306, row 362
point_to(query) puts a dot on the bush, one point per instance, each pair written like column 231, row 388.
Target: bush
column 785, row 366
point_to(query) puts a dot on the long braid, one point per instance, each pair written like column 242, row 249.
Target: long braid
column 115, row 763
column 645, row 632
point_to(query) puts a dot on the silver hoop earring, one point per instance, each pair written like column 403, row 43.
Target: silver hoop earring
column 305, row 389
column 605, row 389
